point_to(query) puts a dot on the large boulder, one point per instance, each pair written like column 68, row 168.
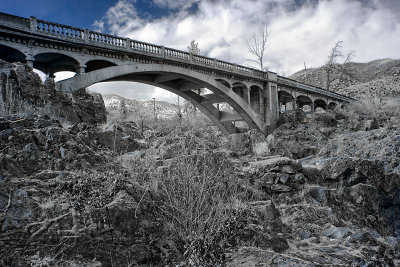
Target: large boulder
column 23, row 91
column 89, row 107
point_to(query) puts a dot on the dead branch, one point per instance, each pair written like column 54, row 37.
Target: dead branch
column 45, row 225
column 4, row 213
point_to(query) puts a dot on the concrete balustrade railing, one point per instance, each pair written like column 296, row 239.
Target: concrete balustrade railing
column 225, row 65
column 204, row 60
column 177, row 53
column 145, row 47
column 106, row 39
column 244, row 69
column 306, row 87
column 58, row 30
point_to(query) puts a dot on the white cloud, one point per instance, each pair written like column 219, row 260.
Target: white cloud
column 175, row 4
column 298, row 32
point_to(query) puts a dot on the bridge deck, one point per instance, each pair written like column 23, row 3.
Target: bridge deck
column 87, row 37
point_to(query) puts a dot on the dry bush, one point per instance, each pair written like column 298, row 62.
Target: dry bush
column 196, row 195
column 199, row 199
column 384, row 111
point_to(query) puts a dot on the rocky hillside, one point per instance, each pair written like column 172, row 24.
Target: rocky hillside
column 117, row 106
column 322, row 190
column 22, row 91
column 376, row 78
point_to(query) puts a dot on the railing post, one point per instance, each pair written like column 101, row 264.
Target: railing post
column 86, row 35
column 215, row 62
column 128, row 43
column 190, row 57
column 162, row 51
column 33, row 24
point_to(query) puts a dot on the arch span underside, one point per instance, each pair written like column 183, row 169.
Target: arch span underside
column 11, row 54
column 181, row 81
column 54, row 62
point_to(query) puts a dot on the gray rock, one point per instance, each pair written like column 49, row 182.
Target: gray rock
column 281, row 164
column 327, row 118
column 266, row 210
column 335, row 232
column 298, row 178
column 280, row 188
column 303, row 234
column 318, row 193
column 283, row 177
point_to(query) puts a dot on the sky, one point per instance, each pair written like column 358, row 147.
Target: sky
column 301, row 32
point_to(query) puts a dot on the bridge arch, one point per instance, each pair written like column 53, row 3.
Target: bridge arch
column 224, row 82
column 50, row 62
column 255, row 96
column 178, row 80
column 97, row 64
column 11, row 54
column 240, row 89
column 284, row 98
column 320, row 103
column 304, row 102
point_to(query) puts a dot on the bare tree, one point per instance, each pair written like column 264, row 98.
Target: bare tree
column 177, row 102
column 336, row 73
column 123, row 109
column 140, row 118
column 193, row 48
column 257, row 44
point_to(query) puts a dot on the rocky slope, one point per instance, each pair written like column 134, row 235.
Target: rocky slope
column 376, row 78
column 338, row 204
column 322, row 190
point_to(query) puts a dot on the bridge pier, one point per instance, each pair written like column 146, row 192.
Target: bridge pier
column 272, row 106
column 246, row 93
column 29, row 61
column 80, row 69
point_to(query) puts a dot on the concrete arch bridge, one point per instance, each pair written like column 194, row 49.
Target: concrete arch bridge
column 255, row 97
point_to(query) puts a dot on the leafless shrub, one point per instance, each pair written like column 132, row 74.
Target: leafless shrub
column 385, row 111
column 199, row 194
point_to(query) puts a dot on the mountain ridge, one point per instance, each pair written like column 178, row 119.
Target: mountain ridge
column 380, row 78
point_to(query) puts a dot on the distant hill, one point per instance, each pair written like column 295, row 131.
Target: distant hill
column 376, row 78
column 117, row 105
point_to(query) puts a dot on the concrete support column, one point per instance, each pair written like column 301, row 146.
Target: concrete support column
column 266, row 98
column 261, row 103
column 246, row 95
column 312, row 107
column 294, row 103
column 272, row 112
column 80, row 69
column 29, row 61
